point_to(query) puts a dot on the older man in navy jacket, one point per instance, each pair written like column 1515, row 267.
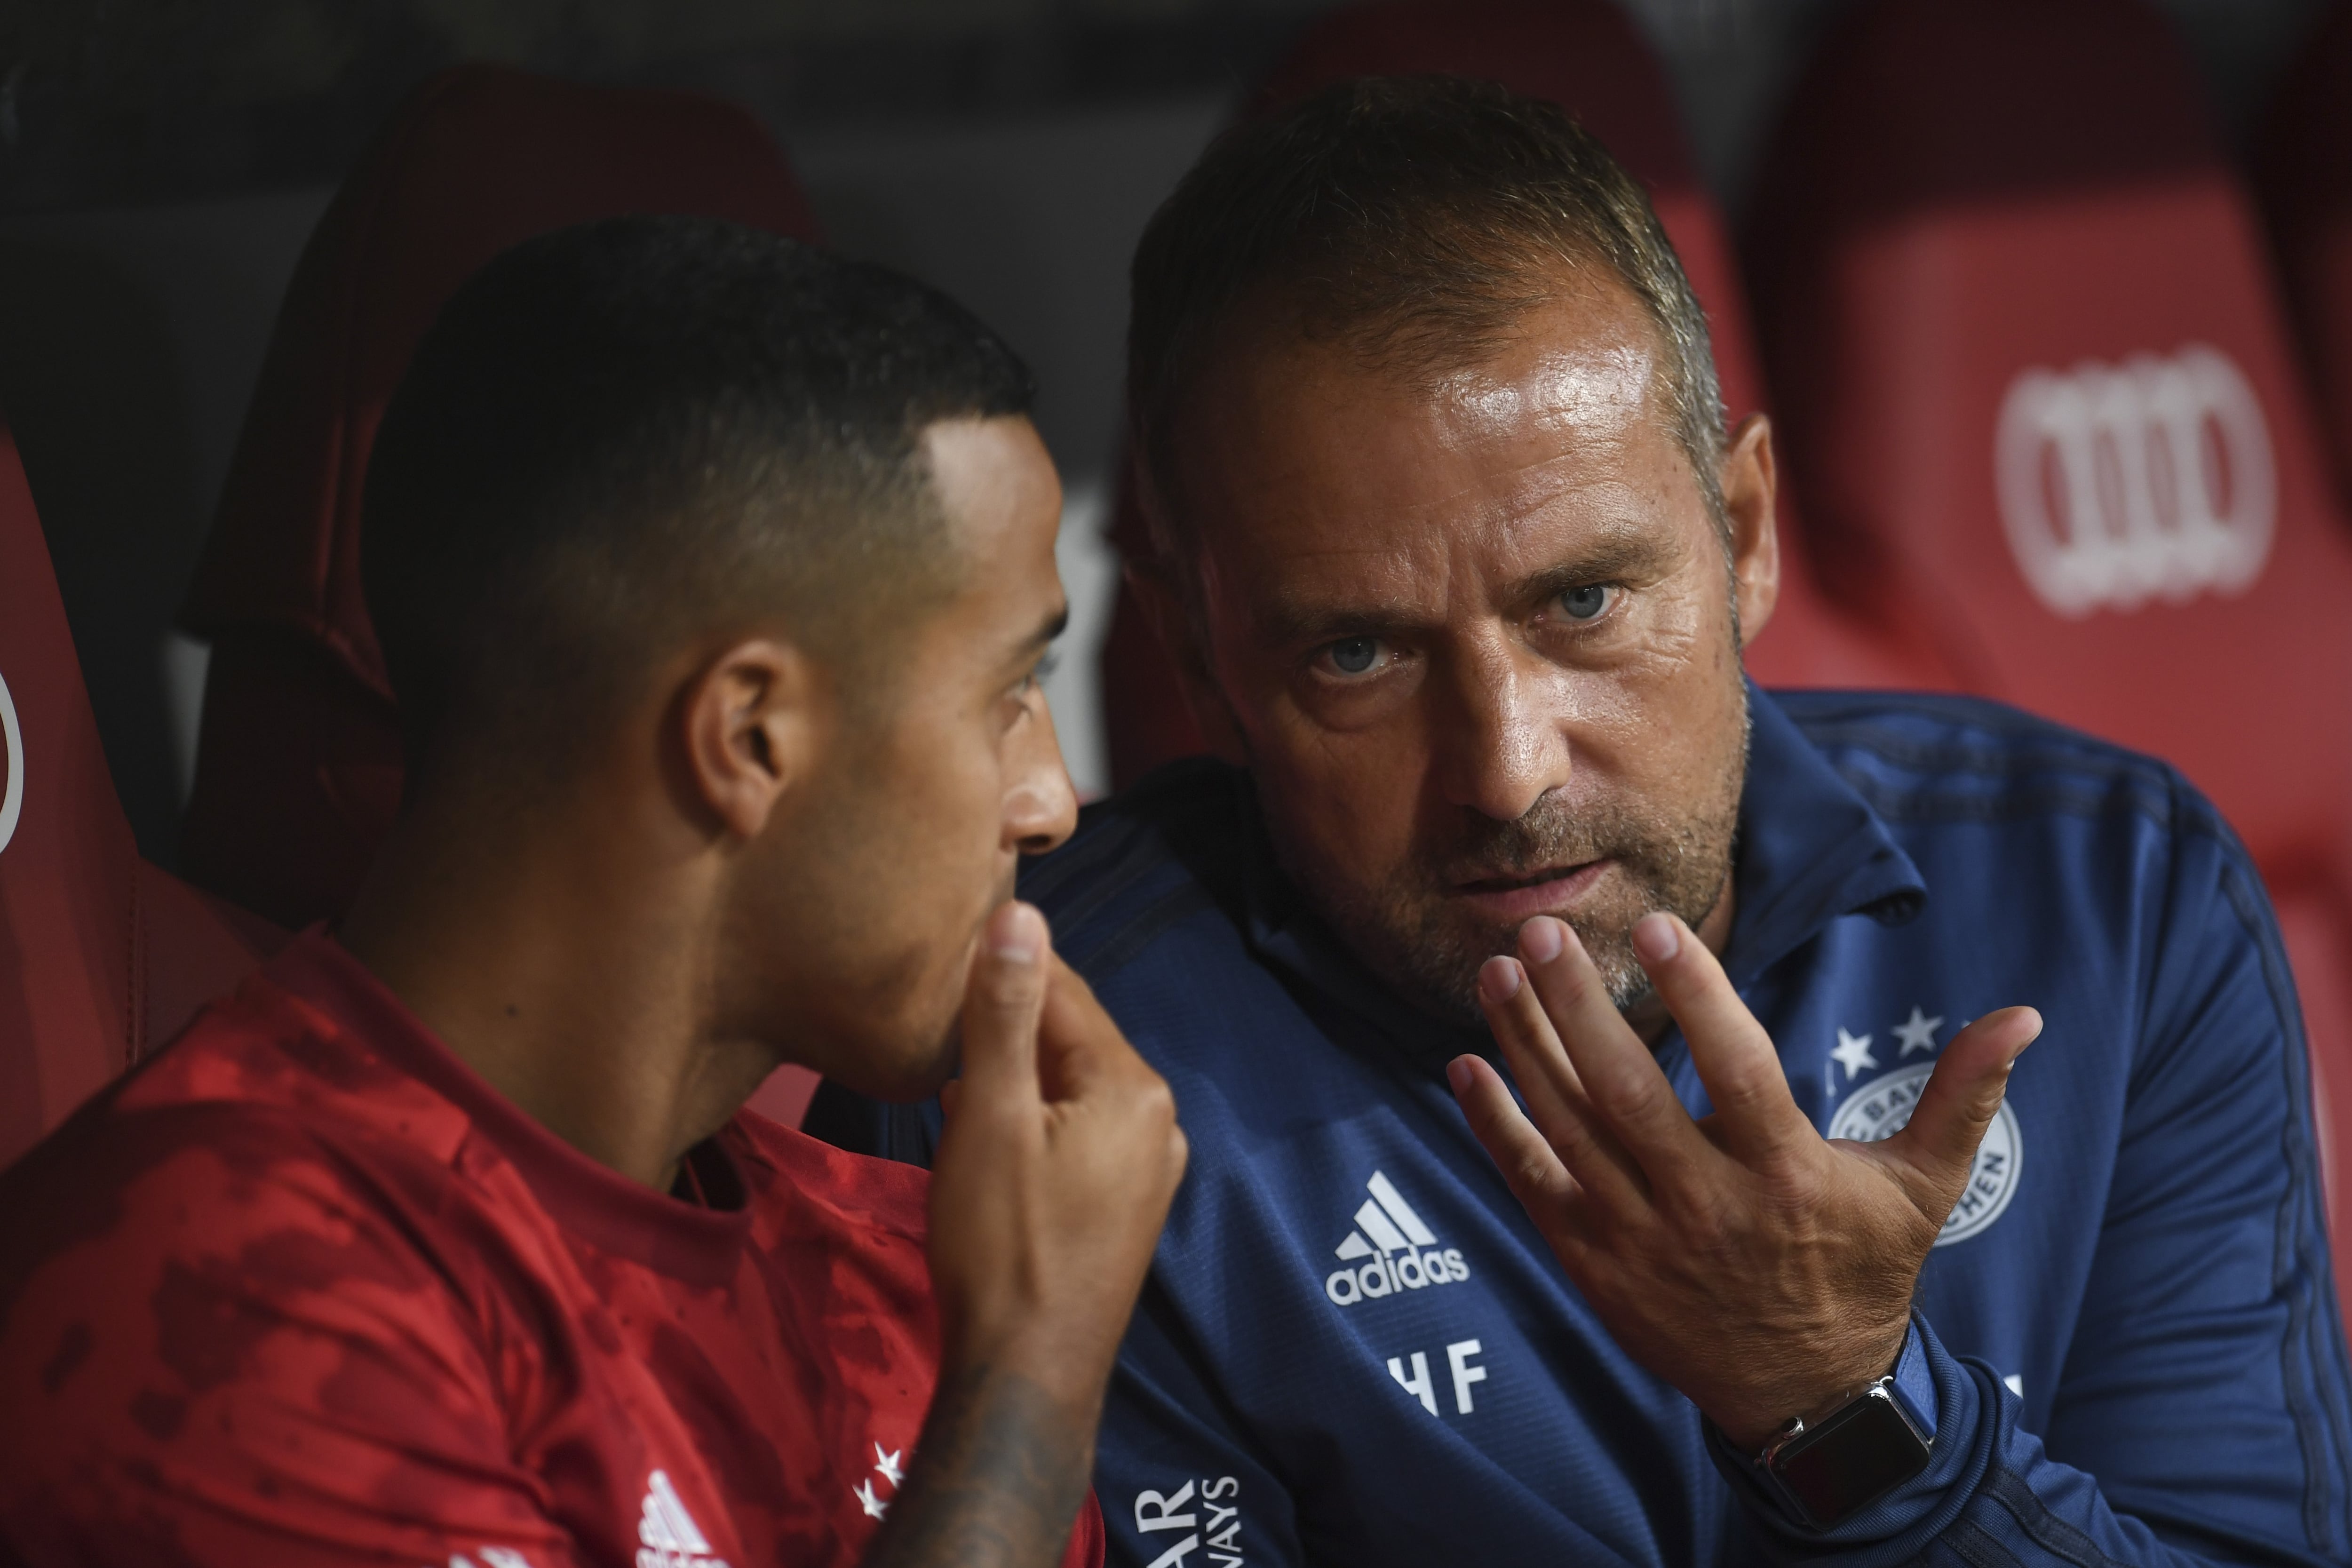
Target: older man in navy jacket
column 1749, row 1256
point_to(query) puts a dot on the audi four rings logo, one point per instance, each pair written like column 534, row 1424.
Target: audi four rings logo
column 2148, row 479
column 12, row 757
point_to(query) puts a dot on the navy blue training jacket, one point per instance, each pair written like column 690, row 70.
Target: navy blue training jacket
column 1354, row 1348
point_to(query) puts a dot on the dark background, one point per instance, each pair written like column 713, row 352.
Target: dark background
column 162, row 163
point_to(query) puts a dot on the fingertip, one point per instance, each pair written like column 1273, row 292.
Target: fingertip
column 1461, row 1074
column 1016, row 933
column 1657, row 937
column 1499, row 979
column 2022, row 1026
column 1545, row 938
column 2028, row 1025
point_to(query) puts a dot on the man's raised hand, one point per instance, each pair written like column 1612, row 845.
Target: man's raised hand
column 1758, row 1268
column 1059, row 1160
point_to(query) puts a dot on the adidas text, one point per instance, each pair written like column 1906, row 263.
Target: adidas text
column 1399, row 1250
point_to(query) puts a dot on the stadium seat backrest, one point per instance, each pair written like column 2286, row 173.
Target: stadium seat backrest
column 2025, row 346
column 1588, row 57
column 102, row 956
column 2027, row 352
column 2303, row 173
column 299, row 768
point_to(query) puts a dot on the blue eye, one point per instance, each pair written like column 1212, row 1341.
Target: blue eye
column 1582, row 604
column 1353, row 655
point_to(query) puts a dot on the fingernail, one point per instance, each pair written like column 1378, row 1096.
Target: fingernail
column 1016, row 933
column 1457, row 1073
column 1543, row 938
column 1656, row 938
column 1499, row 979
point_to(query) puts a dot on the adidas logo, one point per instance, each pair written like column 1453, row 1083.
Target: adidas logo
column 669, row 1536
column 1401, row 1253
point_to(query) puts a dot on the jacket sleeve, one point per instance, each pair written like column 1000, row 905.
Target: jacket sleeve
column 1179, row 1488
column 2202, row 1415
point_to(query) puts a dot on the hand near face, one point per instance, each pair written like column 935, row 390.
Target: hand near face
column 1761, row 1269
column 1059, row 1160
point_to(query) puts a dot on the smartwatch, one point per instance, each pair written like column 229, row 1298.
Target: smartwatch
column 1851, row 1458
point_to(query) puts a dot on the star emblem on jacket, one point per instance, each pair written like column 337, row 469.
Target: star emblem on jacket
column 1853, row 1053
column 1917, row 1033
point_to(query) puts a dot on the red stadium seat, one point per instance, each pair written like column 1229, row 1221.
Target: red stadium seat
column 2303, row 171
column 102, row 956
column 298, row 772
column 2023, row 335
column 1588, row 57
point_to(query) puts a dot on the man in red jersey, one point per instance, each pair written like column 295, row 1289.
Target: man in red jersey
column 713, row 574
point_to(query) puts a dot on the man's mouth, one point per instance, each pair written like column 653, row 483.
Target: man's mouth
column 1548, row 890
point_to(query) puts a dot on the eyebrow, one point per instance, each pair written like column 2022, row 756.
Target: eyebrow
column 1055, row 623
column 1292, row 619
column 1611, row 557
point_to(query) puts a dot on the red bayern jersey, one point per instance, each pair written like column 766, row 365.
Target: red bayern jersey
column 305, row 1289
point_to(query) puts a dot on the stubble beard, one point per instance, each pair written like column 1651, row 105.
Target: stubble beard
column 1411, row 931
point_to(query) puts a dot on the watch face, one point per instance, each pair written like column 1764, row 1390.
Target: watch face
column 1852, row 1459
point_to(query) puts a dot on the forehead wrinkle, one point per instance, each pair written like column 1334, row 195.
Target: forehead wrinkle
column 1391, row 592
column 1525, row 542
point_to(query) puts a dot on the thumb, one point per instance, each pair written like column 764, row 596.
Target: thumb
column 1002, row 1000
column 1938, row 1145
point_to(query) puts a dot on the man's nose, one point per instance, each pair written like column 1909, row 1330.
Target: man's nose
column 1041, row 806
column 1501, row 745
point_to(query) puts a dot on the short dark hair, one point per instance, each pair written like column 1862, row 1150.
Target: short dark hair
column 1413, row 219
column 621, row 435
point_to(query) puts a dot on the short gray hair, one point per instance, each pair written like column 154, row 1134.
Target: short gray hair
column 1413, row 219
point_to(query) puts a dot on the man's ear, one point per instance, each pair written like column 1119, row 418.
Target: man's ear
column 1751, row 485
column 751, row 727
column 1173, row 624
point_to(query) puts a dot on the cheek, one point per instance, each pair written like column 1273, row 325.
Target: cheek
column 918, row 839
column 950, row 813
column 1349, row 798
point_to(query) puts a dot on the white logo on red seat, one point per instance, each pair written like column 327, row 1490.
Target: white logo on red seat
column 2122, row 484
column 11, row 786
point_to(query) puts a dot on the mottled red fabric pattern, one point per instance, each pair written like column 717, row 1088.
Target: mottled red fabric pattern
column 304, row 1289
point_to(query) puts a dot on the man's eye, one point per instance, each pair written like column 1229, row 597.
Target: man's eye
column 1353, row 655
column 1585, row 602
column 1038, row 673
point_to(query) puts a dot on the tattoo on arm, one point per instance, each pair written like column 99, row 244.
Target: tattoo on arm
column 997, row 1479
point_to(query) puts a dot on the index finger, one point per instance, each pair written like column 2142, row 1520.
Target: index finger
column 1734, row 1058
column 1622, row 1079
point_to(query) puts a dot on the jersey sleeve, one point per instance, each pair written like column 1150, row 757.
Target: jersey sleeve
column 2201, row 1414
column 235, row 1352
column 1178, row 1486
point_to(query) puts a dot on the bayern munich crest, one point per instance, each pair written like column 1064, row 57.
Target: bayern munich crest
column 1880, row 1109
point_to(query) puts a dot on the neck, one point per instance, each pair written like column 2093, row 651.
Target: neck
column 567, row 965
